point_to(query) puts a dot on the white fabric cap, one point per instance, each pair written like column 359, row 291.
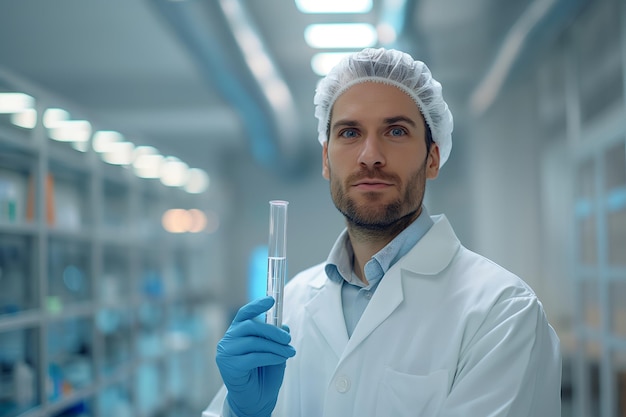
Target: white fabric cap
column 394, row 68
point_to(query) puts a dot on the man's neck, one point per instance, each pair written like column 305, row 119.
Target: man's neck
column 367, row 242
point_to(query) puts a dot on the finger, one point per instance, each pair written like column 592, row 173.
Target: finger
column 253, row 309
column 244, row 346
column 260, row 330
column 245, row 363
column 286, row 328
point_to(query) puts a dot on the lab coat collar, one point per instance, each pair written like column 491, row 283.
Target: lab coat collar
column 429, row 257
column 434, row 251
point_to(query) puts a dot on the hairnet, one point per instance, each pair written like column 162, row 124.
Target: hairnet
column 394, row 68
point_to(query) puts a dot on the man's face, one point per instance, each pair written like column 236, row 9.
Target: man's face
column 376, row 157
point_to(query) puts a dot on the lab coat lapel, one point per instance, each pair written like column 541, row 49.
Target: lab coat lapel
column 386, row 299
column 326, row 312
column 428, row 257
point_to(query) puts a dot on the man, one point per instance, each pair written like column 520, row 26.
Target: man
column 401, row 320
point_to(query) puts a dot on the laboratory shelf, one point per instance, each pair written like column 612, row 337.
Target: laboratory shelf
column 99, row 306
column 20, row 320
column 23, row 229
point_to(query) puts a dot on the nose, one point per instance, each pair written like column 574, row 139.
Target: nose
column 371, row 153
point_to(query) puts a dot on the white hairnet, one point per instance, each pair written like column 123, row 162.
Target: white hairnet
column 394, row 68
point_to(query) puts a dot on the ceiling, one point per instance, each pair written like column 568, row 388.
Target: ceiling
column 171, row 73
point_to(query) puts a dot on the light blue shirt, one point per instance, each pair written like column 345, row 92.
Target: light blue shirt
column 355, row 295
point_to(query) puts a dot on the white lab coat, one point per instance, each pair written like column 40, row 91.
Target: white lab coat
column 447, row 333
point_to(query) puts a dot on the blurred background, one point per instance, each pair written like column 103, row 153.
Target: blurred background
column 141, row 140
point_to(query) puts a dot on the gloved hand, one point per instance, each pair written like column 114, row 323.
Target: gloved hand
column 251, row 358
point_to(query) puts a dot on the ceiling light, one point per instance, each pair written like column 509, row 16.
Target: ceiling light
column 51, row 117
column 148, row 165
column 81, row 146
column 197, row 181
column 26, row 118
column 174, row 172
column 340, row 35
column 322, row 62
column 104, row 139
column 15, row 102
column 119, row 153
column 334, row 6
column 71, row 131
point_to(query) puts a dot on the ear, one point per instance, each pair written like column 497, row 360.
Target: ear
column 325, row 167
column 432, row 163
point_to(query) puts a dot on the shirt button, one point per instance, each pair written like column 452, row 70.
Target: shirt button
column 342, row 384
column 368, row 295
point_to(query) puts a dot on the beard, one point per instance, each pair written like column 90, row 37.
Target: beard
column 375, row 216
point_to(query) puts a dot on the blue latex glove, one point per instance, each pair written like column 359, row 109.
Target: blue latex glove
column 251, row 358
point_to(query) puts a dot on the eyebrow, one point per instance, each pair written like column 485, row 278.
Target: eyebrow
column 396, row 119
column 344, row 123
column 387, row 121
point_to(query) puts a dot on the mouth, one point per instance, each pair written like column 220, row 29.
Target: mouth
column 370, row 184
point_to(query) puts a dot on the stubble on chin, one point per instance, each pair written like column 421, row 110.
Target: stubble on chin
column 373, row 218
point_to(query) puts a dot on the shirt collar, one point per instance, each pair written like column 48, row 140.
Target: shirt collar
column 339, row 262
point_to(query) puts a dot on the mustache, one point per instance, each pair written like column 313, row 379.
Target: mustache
column 372, row 173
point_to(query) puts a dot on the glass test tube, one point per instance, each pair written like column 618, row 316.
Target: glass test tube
column 277, row 260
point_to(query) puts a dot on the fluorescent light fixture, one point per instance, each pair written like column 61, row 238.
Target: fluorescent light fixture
column 119, row 153
column 71, row 131
column 174, row 172
column 144, row 150
column 334, row 6
column 147, row 163
column 322, row 62
column 15, row 102
column 26, row 118
column 53, row 116
column 340, row 35
column 104, row 139
column 81, row 146
column 197, row 181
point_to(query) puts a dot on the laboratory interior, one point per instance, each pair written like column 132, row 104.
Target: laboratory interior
column 142, row 141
